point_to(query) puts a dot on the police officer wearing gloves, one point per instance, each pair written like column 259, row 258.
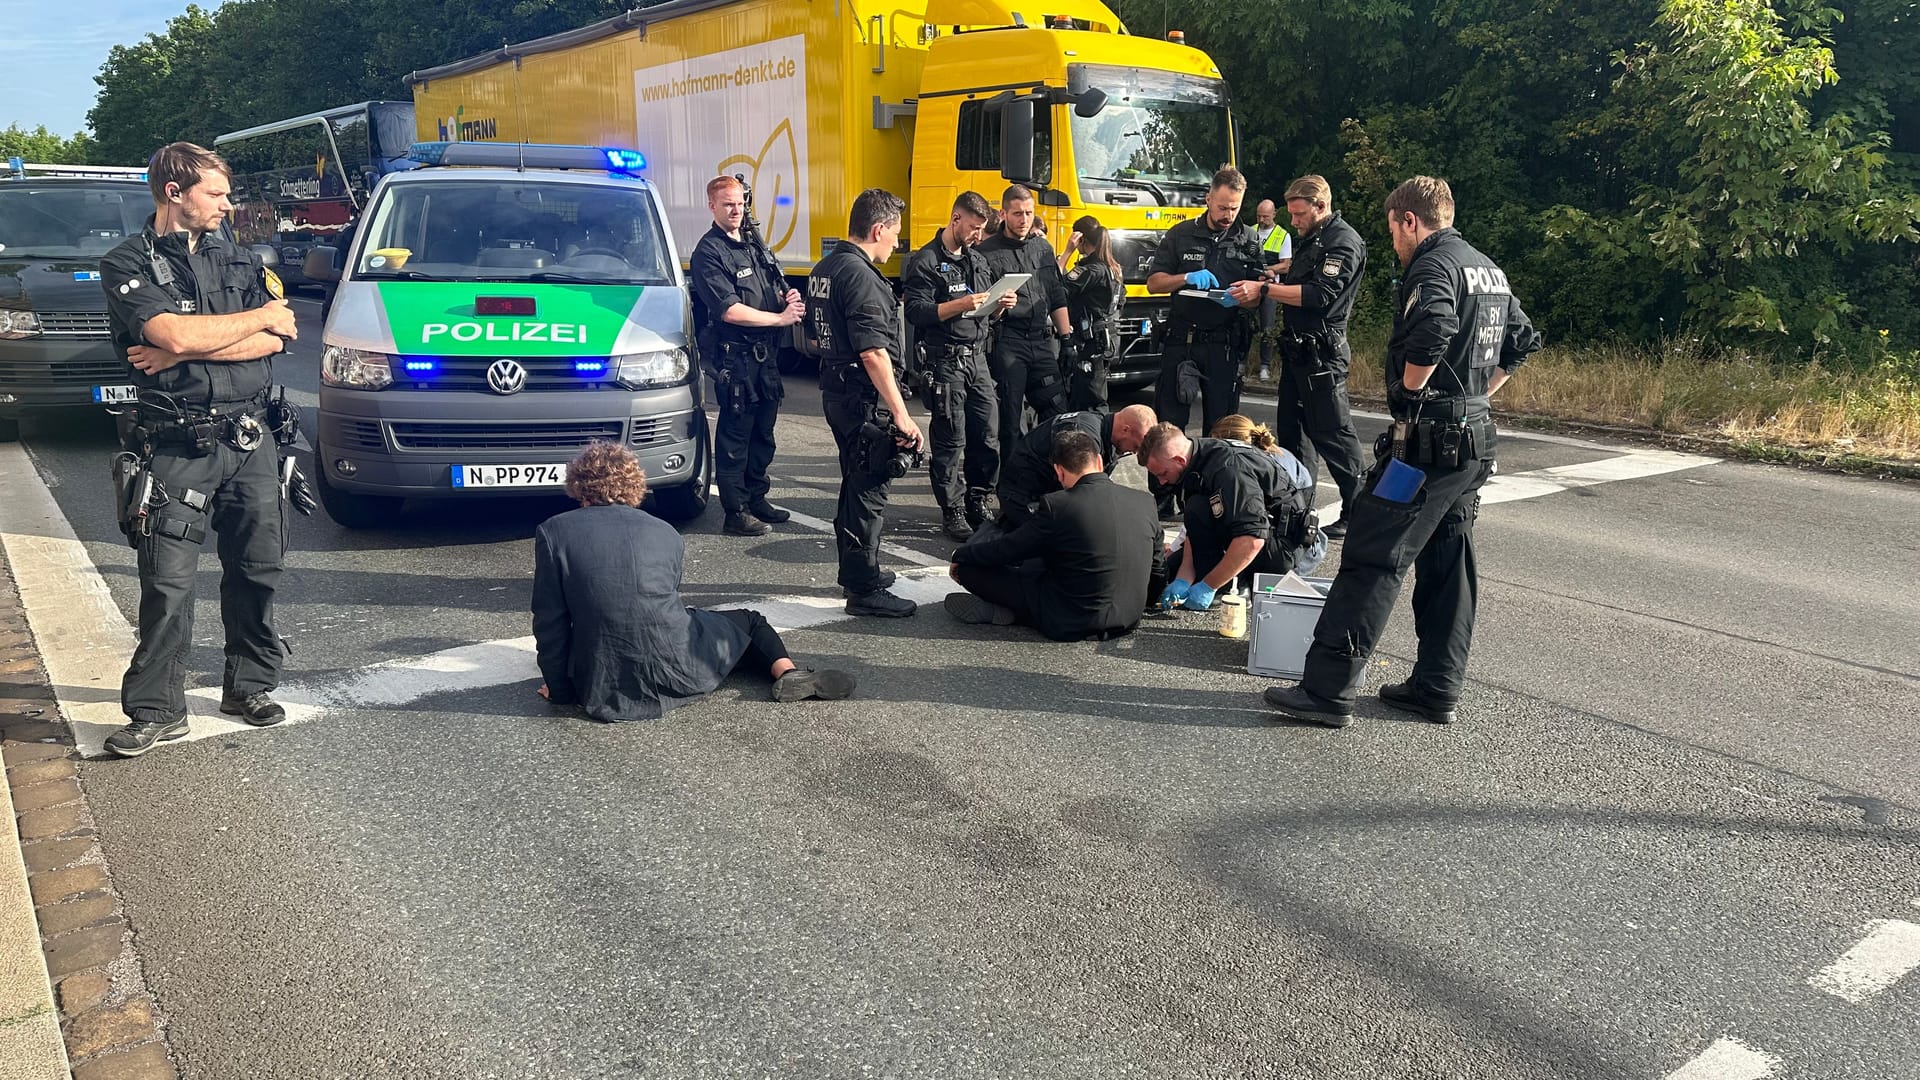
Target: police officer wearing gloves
column 1244, row 515
column 1028, row 475
column 199, row 319
column 1095, row 289
column 1316, row 295
column 946, row 286
column 1458, row 333
column 743, row 303
column 853, row 326
column 1206, row 337
column 1026, row 357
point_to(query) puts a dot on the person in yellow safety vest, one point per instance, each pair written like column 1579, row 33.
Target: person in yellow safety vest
column 1276, row 247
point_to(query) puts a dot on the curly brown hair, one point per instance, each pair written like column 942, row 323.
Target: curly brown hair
column 606, row 474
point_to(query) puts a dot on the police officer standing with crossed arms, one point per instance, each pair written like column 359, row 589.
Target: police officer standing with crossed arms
column 852, row 323
column 1315, row 296
column 199, row 319
column 744, row 304
column 1458, row 333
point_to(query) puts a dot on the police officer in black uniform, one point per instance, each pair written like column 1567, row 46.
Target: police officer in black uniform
column 1244, row 514
column 1316, row 295
column 853, row 325
column 1026, row 344
column 743, row 303
column 1027, row 476
column 1458, row 333
column 199, row 319
column 946, row 285
column 1095, row 289
column 1206, row 339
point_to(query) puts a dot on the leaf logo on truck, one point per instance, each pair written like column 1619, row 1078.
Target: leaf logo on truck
column 774, row 175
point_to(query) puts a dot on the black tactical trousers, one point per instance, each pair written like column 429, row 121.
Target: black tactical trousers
column 860, row 514
column 1026, row 371
column 748, row 393
column 1433, row 537
column 243, row 510
column 1314, row 414
column 965, row 428
column 1087, row 366
column 1216, row 362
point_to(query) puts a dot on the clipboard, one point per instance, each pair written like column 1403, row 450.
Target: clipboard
column 1215, row 295
column 1000, row 288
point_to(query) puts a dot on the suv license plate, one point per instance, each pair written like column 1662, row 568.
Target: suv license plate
column 115, row 395
column 509, row 476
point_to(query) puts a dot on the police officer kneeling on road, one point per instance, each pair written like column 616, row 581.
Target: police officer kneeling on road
column 743, row 303
column 1244, row 514
column 199, row 320
column 854, row 326
column 1029, row 476
column 1458, row 333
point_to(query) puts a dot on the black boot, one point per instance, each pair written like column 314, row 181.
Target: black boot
column 1407, row 698
column 257, row 709
column 745, row 524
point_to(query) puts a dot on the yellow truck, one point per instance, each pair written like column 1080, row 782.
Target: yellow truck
column 814, row 100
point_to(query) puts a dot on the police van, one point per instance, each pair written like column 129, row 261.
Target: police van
column 499, row 308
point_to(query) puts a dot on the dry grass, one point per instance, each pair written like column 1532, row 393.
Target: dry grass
column 1687, row 388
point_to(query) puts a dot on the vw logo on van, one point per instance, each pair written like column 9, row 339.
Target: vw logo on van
column 506, row 377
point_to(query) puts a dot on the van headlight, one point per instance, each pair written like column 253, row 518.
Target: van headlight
column 662, row 368
column 18, row 324
column 341, row 366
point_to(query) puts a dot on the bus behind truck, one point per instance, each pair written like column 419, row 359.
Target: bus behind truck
column 813, row 102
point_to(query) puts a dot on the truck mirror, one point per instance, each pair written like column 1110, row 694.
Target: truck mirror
column 318, row 265
column 1016, row 140
column 267, row 255
column 1090, row 102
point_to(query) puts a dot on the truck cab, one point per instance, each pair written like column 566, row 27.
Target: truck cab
column 501, row 307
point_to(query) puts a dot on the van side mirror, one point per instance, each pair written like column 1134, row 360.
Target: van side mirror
column 318, row 265
column 1016, row 140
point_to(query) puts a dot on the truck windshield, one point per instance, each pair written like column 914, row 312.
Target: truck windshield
column 1159, row 139
column 69, row 220
column 471, row 230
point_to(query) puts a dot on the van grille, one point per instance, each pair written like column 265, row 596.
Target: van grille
column 360, row 435
column 75, row 324
column 65, row 373
column 655, row 430
column 502, row 436
column 469, row 374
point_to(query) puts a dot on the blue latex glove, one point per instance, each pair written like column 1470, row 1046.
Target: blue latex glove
column 1200, row 597
column 1226, row 301
column 1203, row 279
column 1175, row 592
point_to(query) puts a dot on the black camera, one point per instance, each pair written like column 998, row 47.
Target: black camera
column 885, row 457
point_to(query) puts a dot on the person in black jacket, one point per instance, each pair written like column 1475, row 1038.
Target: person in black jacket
column 1095, row 289
column 1458, row 334
column 1206, row 335
column 1082, row 567
column 609, row 628
column 1027, row 474
column 1025, row 358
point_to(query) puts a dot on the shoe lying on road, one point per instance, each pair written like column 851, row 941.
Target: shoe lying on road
column 138, row 737
column 1407, row 697
column 767, row 512
column 828, row 684
column 256, row 709
column 745, row 525
column 969, row 608
column 1298, row 704
column 881, row 604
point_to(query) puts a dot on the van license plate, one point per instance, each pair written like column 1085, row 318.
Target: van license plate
column 509, row 476
column 115, row 395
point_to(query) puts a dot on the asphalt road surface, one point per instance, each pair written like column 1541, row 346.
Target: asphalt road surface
column 1673, row 835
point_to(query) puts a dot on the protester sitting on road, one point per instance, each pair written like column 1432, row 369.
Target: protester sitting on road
column 1241, row 428
column 610, row 630
column 1082, row 566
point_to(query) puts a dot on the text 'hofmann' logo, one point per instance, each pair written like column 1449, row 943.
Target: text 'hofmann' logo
column 562, row 333
column 457, row 128
column 742, row 75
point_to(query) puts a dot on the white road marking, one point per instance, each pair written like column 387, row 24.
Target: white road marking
column 1727, row 1059
column 1890, row 950
column 1630, row 466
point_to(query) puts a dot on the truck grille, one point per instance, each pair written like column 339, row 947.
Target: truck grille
column 69, row 373
column 75, row 324
column 502, row 436
column 469, row 374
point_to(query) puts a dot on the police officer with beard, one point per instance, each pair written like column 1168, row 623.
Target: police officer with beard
column 1026, row 474
column 1458, row 333
column 742, row 307
column 853, row 325
column 199, row 319
column 946, row 285
column 1206, row 339
column 1316, row 295
column 1026, row 348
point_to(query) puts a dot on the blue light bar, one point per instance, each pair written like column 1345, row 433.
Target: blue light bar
column 590, row 367
column 509, row 155
column 421, row 367
column 625, row 160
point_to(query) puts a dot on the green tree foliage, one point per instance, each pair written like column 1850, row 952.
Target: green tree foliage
column 44, row 146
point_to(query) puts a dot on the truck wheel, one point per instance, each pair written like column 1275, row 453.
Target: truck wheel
column 350, row 510
column 9, row 430
column 688, row 501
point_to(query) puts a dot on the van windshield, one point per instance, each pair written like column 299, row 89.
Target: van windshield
column 462, row 230
column 69, row 220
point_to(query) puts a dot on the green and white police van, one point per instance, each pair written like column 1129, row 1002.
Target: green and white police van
column 499, row 308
